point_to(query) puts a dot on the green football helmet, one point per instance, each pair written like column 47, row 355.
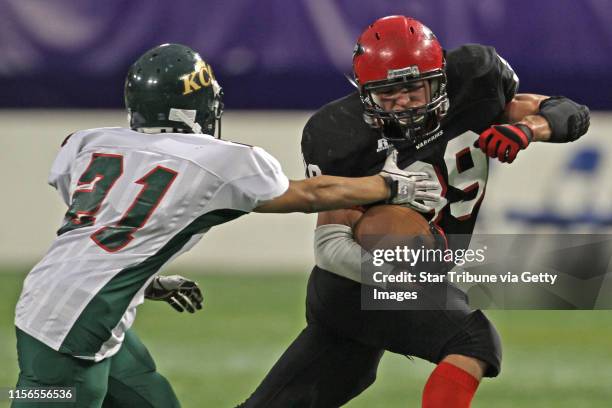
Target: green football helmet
column 170, row 88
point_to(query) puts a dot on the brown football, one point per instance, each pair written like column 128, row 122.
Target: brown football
column 389, row 226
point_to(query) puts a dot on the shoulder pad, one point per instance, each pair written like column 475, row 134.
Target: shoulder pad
column 477, row 73
column 333, row 134
column 471, row 60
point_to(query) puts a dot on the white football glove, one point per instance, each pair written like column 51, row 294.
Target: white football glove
column 181, row 293
column 409, row 187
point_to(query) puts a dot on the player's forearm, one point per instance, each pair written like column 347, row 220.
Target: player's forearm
column 325, row 193
column 550, row 119
column 329, row 192
column 337, row 252
column 523, row 109
column 539, row 127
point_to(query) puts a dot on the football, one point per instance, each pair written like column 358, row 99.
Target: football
column 390, row 226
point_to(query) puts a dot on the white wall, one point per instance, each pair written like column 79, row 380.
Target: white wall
column 31, row 211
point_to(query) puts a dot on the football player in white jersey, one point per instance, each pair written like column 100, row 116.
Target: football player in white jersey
column 138, row 198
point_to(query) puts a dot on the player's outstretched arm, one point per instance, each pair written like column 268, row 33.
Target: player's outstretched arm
column 328, row 193
column 534, row 118
column 323, row 193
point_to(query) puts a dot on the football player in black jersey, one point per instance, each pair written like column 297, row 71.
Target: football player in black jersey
column 441, row 113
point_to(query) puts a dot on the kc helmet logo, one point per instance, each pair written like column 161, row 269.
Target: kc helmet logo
column 201, row 77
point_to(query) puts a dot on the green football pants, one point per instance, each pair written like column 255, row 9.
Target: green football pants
column 127, row 379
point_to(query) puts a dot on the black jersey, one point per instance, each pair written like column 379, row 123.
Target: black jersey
column 337, row 141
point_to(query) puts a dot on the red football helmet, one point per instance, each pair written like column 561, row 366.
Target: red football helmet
column 399, row 52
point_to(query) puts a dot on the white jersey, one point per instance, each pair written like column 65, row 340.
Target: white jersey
column 136, row 201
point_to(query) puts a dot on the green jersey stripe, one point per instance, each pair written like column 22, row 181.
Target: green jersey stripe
column 105, row 310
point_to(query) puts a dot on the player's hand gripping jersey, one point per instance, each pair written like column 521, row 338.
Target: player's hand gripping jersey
column 337, row 141
column 135, row 201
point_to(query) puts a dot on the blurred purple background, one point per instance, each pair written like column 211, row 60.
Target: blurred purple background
column 285, row 54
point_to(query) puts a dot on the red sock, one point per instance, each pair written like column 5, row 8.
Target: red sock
column 449, row 386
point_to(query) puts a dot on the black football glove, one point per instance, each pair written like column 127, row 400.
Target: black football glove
column 181, row 293
column 504, row 141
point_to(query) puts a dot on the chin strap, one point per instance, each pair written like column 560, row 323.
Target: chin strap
column 218, row 127
column 218, row 106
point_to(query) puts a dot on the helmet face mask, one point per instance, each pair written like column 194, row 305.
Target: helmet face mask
column 400, row 53
column 414, row 123
column 171, row 89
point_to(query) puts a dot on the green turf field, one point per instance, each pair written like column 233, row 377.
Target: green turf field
column 217, row 357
